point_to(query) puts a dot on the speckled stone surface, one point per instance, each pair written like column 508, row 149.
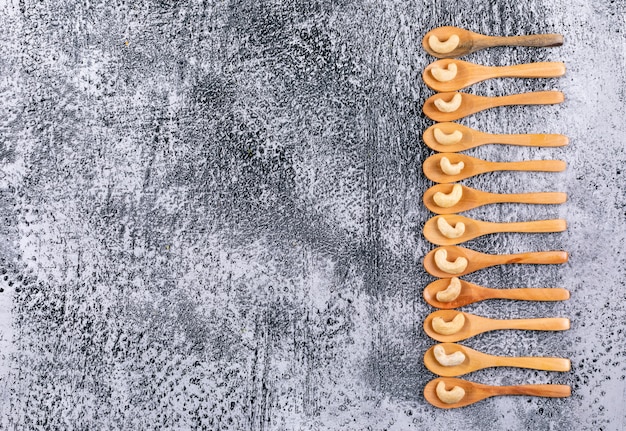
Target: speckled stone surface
column 211, row 215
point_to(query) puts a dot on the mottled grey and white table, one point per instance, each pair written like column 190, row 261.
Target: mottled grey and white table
column 211, row 215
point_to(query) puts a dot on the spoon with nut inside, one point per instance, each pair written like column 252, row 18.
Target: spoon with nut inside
column 453, row 137
column 452, row 360
column 452, row 106
column 456, row 198
column 449, row 293
column 450, row 392
column 452, row 42
column 453, row 75
column 450, row 326
column 455, row 229
column 452, row 260
column 453, row 167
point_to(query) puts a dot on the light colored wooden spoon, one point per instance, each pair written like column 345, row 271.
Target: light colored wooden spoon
column 473, row 166
column 475, row 360
column 471, row 138
column 470, row 41
column 469, row 73
column 476, row 228
column 475, row 325
column 475, row 392
column 473, row 198
column 471, row 293
column 471, row 103
column 477, row 260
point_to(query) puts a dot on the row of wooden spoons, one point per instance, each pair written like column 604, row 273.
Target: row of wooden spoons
column 448, row 229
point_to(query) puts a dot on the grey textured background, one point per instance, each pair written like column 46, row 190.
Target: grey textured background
column 211, row 215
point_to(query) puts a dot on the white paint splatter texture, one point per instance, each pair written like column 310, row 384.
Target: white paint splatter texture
column 211, row 215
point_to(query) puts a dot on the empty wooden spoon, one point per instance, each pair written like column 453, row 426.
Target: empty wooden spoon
column 445, row 47
column 433, row 167
column 472, row 198
column 475, row 360
column 470, row 293
column 471, row 103
column 476, row 260
column 445, row 230
column 475, row 325
column 456, row 137
column 452, row 75
column 474, row 392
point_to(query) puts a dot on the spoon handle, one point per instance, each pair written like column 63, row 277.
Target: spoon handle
column 530, row 198
column 531, row 294
column 552, row 391
column 545, row 364
column 538, row 226
column 536, row 40
column 532, row 70
column 530, row 140
column 533, row 257
column 531, row 165
column 536, row 324
column 532, row 98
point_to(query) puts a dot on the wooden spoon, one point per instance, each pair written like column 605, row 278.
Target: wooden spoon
column 475, row 360
column 475, row 392
column 471, row 103
column 473, row 138
column 477, row 260
column 471, row 293
column 475, row 325
column 473, row 198
column 470, row 73
column 470, row 41
column 473, row 166
column 476, row 228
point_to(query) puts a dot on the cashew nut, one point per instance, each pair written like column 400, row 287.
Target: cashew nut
column 450, row 106
column 456, row 267
column 442, row 327
column 444, row 75
column 449, row 168
column 455, row 358
column 452, row 396
column 447, row 139
column 448, row 200
column 447, row 230
column 443, row 47
column 451, row 292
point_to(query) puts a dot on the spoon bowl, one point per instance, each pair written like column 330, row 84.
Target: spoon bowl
column 471, row 293
column 475, row 360
column 477, row 260
column 470, row 41
column 475, row 392
column 472, row 198
column 471, row 103
column 472, row 166
column 477, row 228
column 470, row 138
column 470, row 73
column 475, row 325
